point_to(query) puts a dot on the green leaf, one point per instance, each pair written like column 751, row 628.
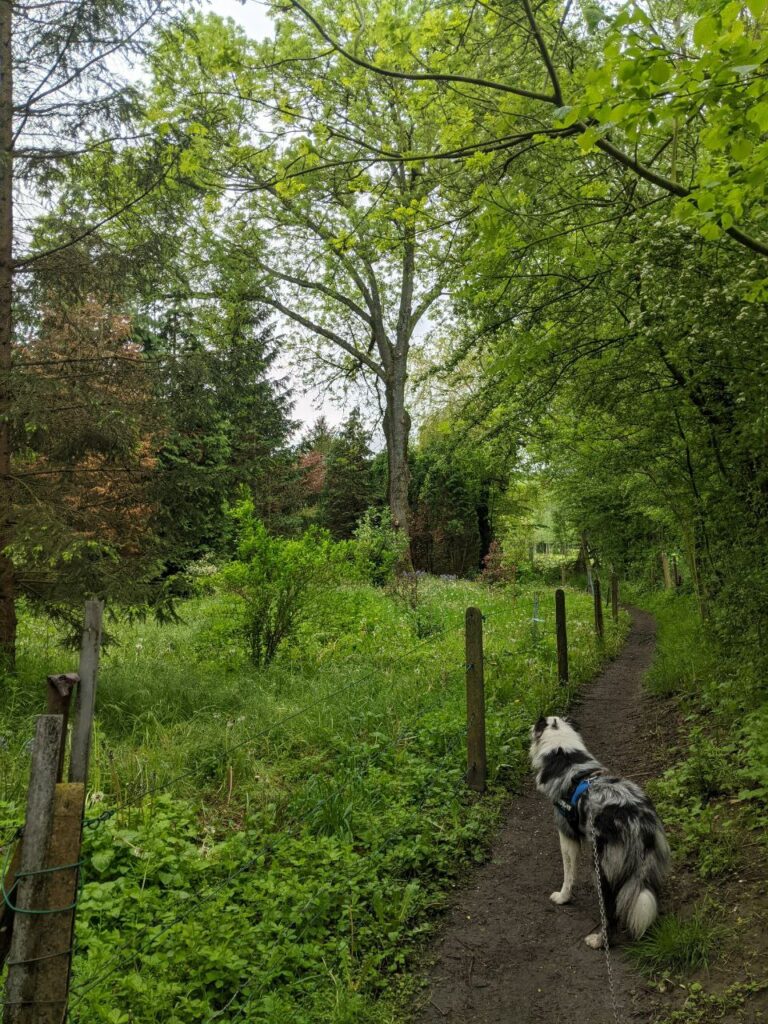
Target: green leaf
column 730, row 13
column 710, row 231
column 705, row 31
column 660, row 71
column 566, row 116
column 587, row 139
column 101, row 860
column 759, row 115
column 705, row 201
column 741, row 148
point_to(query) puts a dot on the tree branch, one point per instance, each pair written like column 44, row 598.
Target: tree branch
column 555, row 99
column 325, row 332
column 304, row 282
column 416, row 76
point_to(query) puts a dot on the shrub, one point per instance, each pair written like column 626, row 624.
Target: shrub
column 380, row 548
column 495, row 569
column 274, row 576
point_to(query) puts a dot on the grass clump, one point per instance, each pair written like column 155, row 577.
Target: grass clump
column 677, row 945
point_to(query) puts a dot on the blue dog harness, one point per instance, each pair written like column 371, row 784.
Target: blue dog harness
column 570, row 808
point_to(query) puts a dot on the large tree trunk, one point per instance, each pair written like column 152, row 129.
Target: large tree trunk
column 7, row 583
column 397, row 427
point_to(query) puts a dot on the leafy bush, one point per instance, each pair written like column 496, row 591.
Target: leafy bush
column 273, row 576
column 380, row 547
column 495, row 567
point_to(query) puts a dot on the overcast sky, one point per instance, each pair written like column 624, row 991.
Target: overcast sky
column 252, row 15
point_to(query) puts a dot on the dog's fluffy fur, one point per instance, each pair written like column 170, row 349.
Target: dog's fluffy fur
column 632, row 849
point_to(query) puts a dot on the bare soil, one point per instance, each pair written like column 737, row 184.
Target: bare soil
column 507, row 955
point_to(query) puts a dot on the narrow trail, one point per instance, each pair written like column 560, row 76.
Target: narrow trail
column 509, row 956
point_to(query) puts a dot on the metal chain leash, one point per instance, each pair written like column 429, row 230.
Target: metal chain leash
column 603, row 919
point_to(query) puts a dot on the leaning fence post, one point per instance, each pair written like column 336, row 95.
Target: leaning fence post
column 28, row 926
column 476, row 758
column 599, row 629
column 86, row 695
column 59, row 695
column 562, row 636
column 615, row 597
column 54, row 946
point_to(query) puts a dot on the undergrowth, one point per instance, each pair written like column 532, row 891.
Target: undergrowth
column 282, row 837
column 713, row 799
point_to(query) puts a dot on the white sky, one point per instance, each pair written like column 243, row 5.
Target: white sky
column 251, row 14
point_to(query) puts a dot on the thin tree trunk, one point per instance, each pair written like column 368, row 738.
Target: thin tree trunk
column 7, row 582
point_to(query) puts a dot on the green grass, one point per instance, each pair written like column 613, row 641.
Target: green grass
column 286, row 863
column 676, row 945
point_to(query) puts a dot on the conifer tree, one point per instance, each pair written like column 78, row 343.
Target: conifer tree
column 348, row 489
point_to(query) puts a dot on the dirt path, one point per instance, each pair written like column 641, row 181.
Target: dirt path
column 509, row 955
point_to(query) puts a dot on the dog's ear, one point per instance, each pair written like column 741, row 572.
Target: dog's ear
column 540, row 726
column 573, row 723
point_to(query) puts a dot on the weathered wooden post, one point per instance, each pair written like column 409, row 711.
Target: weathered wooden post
column 54, row 945
column 599, row 629
column 476, row 757
column 59, row 695
column 562, row 636
column 28, row 926
column 40, row 953
column 615, row 597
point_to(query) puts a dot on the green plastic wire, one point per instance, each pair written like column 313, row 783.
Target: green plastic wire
column 25, row 874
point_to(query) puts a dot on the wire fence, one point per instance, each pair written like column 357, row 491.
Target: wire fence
column 171, row 782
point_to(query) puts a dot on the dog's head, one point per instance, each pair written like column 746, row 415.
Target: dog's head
column 551, row 732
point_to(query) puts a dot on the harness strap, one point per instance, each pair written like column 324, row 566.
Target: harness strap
column 569, row 808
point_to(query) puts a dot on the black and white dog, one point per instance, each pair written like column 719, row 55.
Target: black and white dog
column 632, row 849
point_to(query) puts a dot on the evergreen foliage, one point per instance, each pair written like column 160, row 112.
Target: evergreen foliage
column 347, row 488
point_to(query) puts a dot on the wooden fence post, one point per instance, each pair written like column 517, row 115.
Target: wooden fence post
column 562, row 636
column 476, row 758
column 86, row 692
column 615, row 597
column 54, row 946
column 59, row 694
column 28, row 927
column 599, row 629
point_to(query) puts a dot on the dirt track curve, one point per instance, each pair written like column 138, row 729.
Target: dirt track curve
column 509, row 956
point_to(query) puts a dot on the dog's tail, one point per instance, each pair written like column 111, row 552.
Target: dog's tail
column 637, row 908
column 636, row 902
